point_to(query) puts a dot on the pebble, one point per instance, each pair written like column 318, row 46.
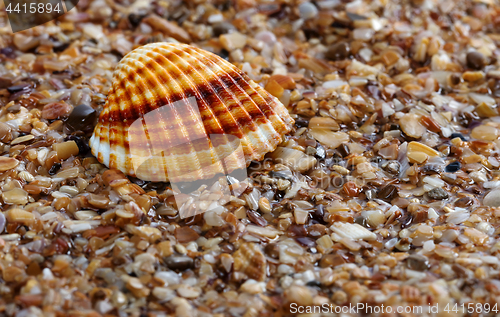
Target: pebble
column 464, row 202
column 338, row 51
column 135, row 19
column 15, row 196
column 186, row 234
column 2, row 222
column 81, row 142
column 437, row 193
column 458, row 135
column 452, row 167
column 475, row 60
column 267, row 37
column 18, row 88
column 417, row 262
column 307, row 10
column 180, row 263
column 411, row 126
column 7, row 163
column 233, row 41
column 299, row 294
column 485, row 132
column 187, row 291
column 5, row 132
column 82, row 118
column 388, row 192
column 392, row 167
column 222, row 28
column 56, row 110
column 492, row 199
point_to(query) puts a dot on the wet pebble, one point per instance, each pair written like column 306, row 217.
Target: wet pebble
column 2, row 222
column 492, row 199
column 388, row 192
column 475, row 60
column 344, row 150
column 417, row 263
column 452, row 167
column 18, row 88
column 320, row 152
column 432, row 169
column 256, row 218
column 180, row 263
column 437, row 193
column 301, row 122
column 272, row 250
column 457, row 135
column 392, row 167
column 370, row 194
column 338, row 51
column 464, row 202
column 319, row 213
column 82, row 118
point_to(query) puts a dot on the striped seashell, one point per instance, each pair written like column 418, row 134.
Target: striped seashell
column 178, row 113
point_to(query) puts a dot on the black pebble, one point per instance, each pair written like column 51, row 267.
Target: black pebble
column 319, row 213
column 314, row 283
column 301, row 122
column 18, row 88
column 55, row 168
column 135, row 19
column 457, row 135
column 82, row 118
column 452, row 167
column 222, row 28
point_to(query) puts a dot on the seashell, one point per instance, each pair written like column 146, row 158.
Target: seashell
column 175, row 112
column 250, row 260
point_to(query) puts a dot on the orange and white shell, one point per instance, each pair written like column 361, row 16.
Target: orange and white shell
column 177, row 112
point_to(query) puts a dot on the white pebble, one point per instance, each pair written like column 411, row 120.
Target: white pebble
column 307, row 10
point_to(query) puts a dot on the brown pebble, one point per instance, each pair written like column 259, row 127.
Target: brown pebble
column 417, row 263
column 475, row 60
column 464, row 202
column 272, row 250
column 388, row 192
column 5, row 132
column 331, row 260
column 180, row 263
column 56, row 110
column 185, row 234
column 338, row 51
